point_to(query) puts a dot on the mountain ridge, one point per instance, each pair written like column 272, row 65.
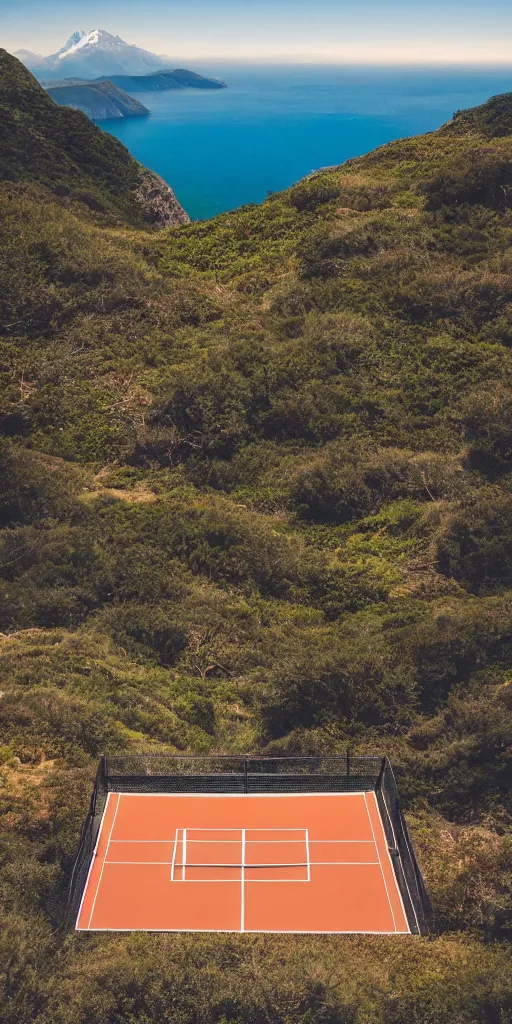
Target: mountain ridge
column 178, row 78
column 96, row 53
column 101, row 101
column 61, row 148
column 27, row 55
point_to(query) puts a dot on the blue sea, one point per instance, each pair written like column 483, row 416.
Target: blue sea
column 275, row 124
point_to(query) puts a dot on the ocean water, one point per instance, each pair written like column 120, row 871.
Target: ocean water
column 275, row 124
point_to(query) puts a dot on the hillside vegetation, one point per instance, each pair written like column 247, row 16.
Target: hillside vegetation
column 256, row 495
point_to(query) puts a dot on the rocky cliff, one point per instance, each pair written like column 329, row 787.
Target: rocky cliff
column 101, row 101
column 158, row 201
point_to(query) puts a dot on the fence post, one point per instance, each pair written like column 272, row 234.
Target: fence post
column 348, row 762
column 100, row 774
column 246, row 777
column 381, row 774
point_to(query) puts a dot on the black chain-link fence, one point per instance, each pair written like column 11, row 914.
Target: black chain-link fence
column 87, row 845
column 167, row 773
column 408, row 875
column 163, row 773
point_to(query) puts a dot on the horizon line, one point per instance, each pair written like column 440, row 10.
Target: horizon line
column 367, row 62
column 333, row 61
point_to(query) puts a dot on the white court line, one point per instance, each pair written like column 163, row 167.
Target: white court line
column 393, row 866
column 174, row 854
column 243, row 796
column 184, row 865
column 253, row 867
column 307, row 855
column 263, row 931
column 242, row 879
column 232, row 864
column 248, row 931
column 236, row 881
column 380, row 862
column 169, row 842
column 93, row 858
column 105, row 857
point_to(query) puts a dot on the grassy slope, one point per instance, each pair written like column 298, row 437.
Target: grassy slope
column 256, row 495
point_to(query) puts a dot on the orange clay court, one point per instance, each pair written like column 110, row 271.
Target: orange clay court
column 242, row 863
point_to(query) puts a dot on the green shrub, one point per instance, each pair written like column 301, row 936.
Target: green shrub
column 338, row 681
column 324, row 250
column 314, row 192
column 475, row 546
column 483, row 178
column 147, row 631
column 197, row 709
column 32, row 489
column 486, row 416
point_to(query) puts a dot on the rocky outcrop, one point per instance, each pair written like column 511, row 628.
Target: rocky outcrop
column 158, row 201
column 101, row 101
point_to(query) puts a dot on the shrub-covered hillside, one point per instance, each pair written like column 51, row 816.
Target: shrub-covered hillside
column 256, row 495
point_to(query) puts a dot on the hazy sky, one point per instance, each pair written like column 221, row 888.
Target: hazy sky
column 392, row 31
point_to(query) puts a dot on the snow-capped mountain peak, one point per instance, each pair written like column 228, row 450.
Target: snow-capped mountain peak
column 77, row 41
column 72, row 41
column 94, row 54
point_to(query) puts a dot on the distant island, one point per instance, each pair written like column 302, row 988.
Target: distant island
column 107, row 97
column 160, row 81
column 96, row 72
column 101, row 101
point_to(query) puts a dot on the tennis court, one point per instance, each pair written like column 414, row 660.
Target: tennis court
column 274, row 862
